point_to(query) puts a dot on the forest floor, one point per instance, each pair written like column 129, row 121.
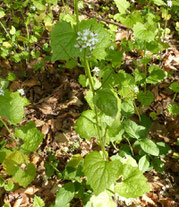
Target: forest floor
column 57, row 100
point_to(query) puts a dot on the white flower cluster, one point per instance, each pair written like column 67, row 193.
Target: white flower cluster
column 169, row 3
column 1, row 92
column 86, row 39
column 21, row 91
column 96, row 71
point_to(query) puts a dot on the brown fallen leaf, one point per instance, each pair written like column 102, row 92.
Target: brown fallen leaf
column 61, row 137
column 45, row 129
column 30, row 83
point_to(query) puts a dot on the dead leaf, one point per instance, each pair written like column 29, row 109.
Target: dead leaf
column 45, row 129
column 30, row 83
column 61, row 137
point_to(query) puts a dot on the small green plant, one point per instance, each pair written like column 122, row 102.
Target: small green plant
column 27, row 138
column 173, row 108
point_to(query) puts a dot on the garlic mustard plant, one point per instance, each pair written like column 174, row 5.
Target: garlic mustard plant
column 86, row 39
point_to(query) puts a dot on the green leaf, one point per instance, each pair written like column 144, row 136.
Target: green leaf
column 89, row 98
column 134, row 130
column 3, row 153
column 158, row 165
column 103, row 200
column 4, row 83
column 159, row 2
column 163, row 148
column 31, row 136
column 139, row 77
column 104, row 37
column 74, row 161
column 149, row 146
column 38, row 202
column 127, row 108
column 115, row 57
column 12, row 106
column 25, row 177
column 39, row 4
column 65, row 194
column 145, row 98
column 134, row 183
column 175, row 87
column 63, row 39
column 2, row 14
column 86, row 125
column 107, row 102
column 100, row 174
column 144, row 163
column 13, row 30
column 82, row 80
column 54, row 2
column 143, row 32
column 156, row 76
column 13, row 161
column 9, row 185
column 122, row 5
column 173, row 109
column 11, row 76
column 12, row 165
column 125, row 84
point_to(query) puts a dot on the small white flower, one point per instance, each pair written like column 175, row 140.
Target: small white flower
column 169, row 3
column 93, row 40
column 86, row 32
column 33, row 8
column 21, row 91
column 1, row 92
column 93, row 34
column 92, row 48
column 111, row 47
column 96, row 71
column 136, row 89
column 77, row 46
column 84, row 38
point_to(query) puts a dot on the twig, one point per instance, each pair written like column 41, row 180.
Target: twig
column 101, row 19
column 106, row 20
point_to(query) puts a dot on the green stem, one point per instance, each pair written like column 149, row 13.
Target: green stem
column 88, row 73
column 137, row 111
column 4, row 123
column 63, row 3
column 8, row 34
column 76, row 13
column 145, row 67
column 165, row 26
column 28, row 37
column 5, row 30
column 174, row 98
column 130, row 146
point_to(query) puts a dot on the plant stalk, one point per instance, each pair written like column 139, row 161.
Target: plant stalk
column 88, row 73
column 76, row 13
column 4, row 123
